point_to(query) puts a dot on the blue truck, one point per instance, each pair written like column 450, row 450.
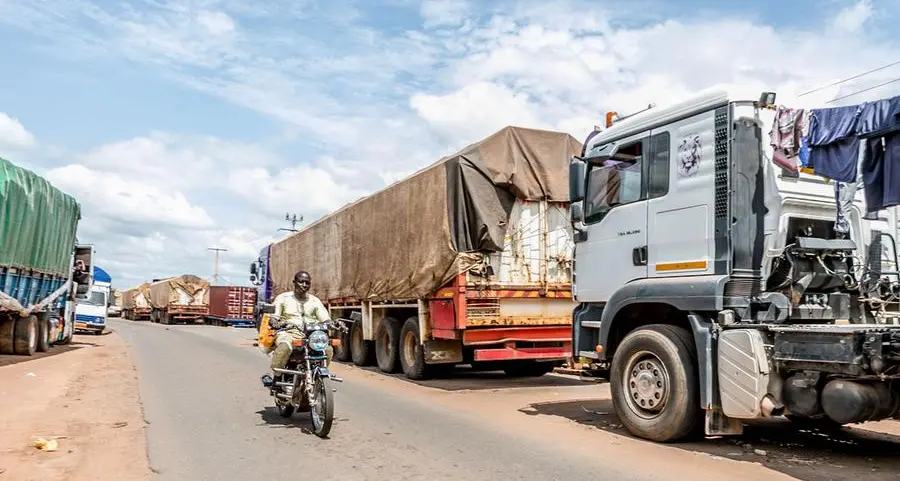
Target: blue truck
column 43, row 271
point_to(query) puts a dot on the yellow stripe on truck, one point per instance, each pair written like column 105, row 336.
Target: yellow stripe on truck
column 681, row 266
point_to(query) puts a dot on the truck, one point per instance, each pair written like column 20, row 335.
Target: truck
column 712, row 286
column 232, row 306
column 38, row 256
column 183, row 298
column 91, row 312
column 467, row 261
column 136, row 303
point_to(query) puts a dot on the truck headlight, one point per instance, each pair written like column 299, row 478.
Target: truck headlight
column 318, row 341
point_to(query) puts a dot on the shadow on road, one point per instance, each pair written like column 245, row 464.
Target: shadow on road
column 299, row 420
column 847, row 453
column 467, row 379
column 10, row 359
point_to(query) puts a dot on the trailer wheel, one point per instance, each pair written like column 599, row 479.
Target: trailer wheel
column 7, row 332
column 412, row 354
column 43, row 341
column 360, row 348
column 25, row 339
column 387, row 345
column 343, row 353
column 654, row 383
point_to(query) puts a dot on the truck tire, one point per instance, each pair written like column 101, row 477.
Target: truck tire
column 360, row 348
column 343, row 352
column 412, row 353
column 43, row 344
column 654, row 385
column 387, row 345
column 528, row 368
column 7, row 332
column 25, row 338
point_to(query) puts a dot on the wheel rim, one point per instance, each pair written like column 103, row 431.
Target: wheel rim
column 384, row 344
column 646, row 384
column 409, row 348
column 317, row 406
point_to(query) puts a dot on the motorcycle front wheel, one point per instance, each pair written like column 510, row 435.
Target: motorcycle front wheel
column 322, row 407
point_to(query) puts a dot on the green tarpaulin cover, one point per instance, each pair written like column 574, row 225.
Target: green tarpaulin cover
column 37, row 222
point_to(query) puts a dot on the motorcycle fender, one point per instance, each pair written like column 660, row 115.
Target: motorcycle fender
column 322, row 372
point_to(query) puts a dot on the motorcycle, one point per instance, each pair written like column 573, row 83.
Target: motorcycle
column 305, row 382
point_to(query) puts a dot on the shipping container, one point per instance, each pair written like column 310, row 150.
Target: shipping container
column 466, row 261
column 182, row 298
column 38, row 223
column 232, row 305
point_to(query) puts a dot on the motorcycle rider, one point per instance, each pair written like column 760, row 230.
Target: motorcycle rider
column 295, row 308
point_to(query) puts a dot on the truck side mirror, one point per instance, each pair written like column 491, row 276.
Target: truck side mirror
column 577, row 170
column 576, row 212
column 253, row 269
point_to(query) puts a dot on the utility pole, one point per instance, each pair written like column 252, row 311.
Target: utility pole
column 216, row 265
column 293, row 219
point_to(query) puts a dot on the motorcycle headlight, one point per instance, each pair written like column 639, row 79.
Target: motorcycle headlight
column 318, row 341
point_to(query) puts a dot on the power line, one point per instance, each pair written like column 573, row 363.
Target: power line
column 851, row 78
column 864, row 90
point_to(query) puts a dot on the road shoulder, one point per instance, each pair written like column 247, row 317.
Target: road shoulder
column 87, row 399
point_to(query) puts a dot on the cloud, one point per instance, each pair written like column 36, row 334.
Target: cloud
column 216, row 23
column 128, row 200
column 13, row 134
column 852, row 18
column 462, row 115
column 443, row 12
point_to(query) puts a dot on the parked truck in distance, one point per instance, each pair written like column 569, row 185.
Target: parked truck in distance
column 713, row 288
column 232, row 306
column 464, row 262
column 183, row 298
column 38, row 256
column 136, row 303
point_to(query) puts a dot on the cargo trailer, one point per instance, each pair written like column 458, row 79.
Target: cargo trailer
column 232, row 306
column 136, row 303
column 182, row 298
column 38, row 253
column 464, row 262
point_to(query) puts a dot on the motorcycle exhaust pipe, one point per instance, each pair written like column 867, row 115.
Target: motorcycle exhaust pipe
column 335, row 378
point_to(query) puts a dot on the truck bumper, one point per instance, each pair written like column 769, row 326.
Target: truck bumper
column 548, row 343
column 523, row 353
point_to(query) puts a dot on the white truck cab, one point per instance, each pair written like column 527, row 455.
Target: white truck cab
column 712, row 288
column 91, row 309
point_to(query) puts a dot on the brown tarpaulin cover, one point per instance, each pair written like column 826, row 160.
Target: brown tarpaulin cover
column 414, row 236
column 128, row 297
column 164, row 293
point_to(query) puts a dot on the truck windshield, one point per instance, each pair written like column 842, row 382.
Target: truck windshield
column 96, row 298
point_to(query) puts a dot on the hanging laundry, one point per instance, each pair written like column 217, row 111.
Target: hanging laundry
column 785, row 137
column 880, row 127
column 833, row 143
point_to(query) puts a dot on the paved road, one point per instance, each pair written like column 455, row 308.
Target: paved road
column 209, row 418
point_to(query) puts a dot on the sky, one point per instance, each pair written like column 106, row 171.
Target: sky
column 184, row 125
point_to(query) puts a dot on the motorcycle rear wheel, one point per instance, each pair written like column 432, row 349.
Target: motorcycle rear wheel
column 322, row 407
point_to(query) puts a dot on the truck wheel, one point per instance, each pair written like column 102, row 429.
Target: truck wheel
column 527, row 368
column 343, row 352
column 412, row 353
column 43, row 341
column 7, row 332
column 654, row 383
column 387, row 345
column 360, row 349
column 25, row 339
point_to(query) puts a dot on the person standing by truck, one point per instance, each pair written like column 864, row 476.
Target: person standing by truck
column 293, row 309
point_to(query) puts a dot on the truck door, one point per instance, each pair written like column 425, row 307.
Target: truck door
column 615, row 214
column 681, row 197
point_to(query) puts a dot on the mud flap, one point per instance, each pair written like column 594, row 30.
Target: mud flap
column 443, row 352
column 717, row 424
